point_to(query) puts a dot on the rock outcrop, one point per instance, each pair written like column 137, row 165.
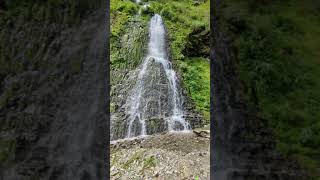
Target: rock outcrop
column 198, row 43
column 155, row 86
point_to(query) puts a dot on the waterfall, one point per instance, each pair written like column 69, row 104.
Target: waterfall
column 156, row 98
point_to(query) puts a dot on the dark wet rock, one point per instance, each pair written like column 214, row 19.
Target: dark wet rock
column 132, row 48
column 202, row 133
column 136, row 127
column 156, row 97
column 156, row 125
column 198, row 43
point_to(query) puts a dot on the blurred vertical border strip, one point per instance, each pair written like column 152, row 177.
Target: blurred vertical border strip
column 106, row 70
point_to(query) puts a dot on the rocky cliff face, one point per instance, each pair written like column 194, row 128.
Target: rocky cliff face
column 129, row 51
column 131, row 48
column 242, row 144
column 53, row 101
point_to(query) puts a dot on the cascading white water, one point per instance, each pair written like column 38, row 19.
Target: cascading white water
column 137, row 104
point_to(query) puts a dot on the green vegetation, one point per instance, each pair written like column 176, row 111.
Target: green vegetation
column 182, row 18
column 196, row 75
column 149, row 162
column 120, row 14
column 137, row 156
column 279, row 51
column 128, row 35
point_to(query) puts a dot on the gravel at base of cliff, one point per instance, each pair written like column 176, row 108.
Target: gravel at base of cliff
column 165, row 156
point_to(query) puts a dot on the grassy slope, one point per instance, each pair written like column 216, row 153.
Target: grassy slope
column 279, row 53
column 121, row 13
column 181, row 18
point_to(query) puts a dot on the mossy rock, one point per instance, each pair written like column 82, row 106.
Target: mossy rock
column 7, row 151
column 156, row 125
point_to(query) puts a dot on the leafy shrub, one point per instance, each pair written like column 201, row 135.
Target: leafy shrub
column 166, row 13
column 286, row 25
column 147, row 11
column 261, row 57
column 196, row 79
column 128, row 8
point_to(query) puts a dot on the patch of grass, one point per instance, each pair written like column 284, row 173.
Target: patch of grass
column 120, row 13
column 196, row 78
column 135, row 157
column 149, row 162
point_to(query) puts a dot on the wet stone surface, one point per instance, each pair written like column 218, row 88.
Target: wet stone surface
column 149, row 99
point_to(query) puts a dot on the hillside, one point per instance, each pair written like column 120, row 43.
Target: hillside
column 160, row 88
column 187, row 36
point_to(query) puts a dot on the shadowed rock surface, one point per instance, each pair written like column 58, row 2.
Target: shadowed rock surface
column 198, row 43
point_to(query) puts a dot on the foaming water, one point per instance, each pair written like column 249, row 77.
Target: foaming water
column 137, row 103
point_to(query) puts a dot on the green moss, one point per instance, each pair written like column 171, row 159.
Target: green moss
column 196, row 79
column 7, row 150
column 126, row 27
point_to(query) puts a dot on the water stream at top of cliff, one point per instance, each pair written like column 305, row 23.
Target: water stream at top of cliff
column 156, row 102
